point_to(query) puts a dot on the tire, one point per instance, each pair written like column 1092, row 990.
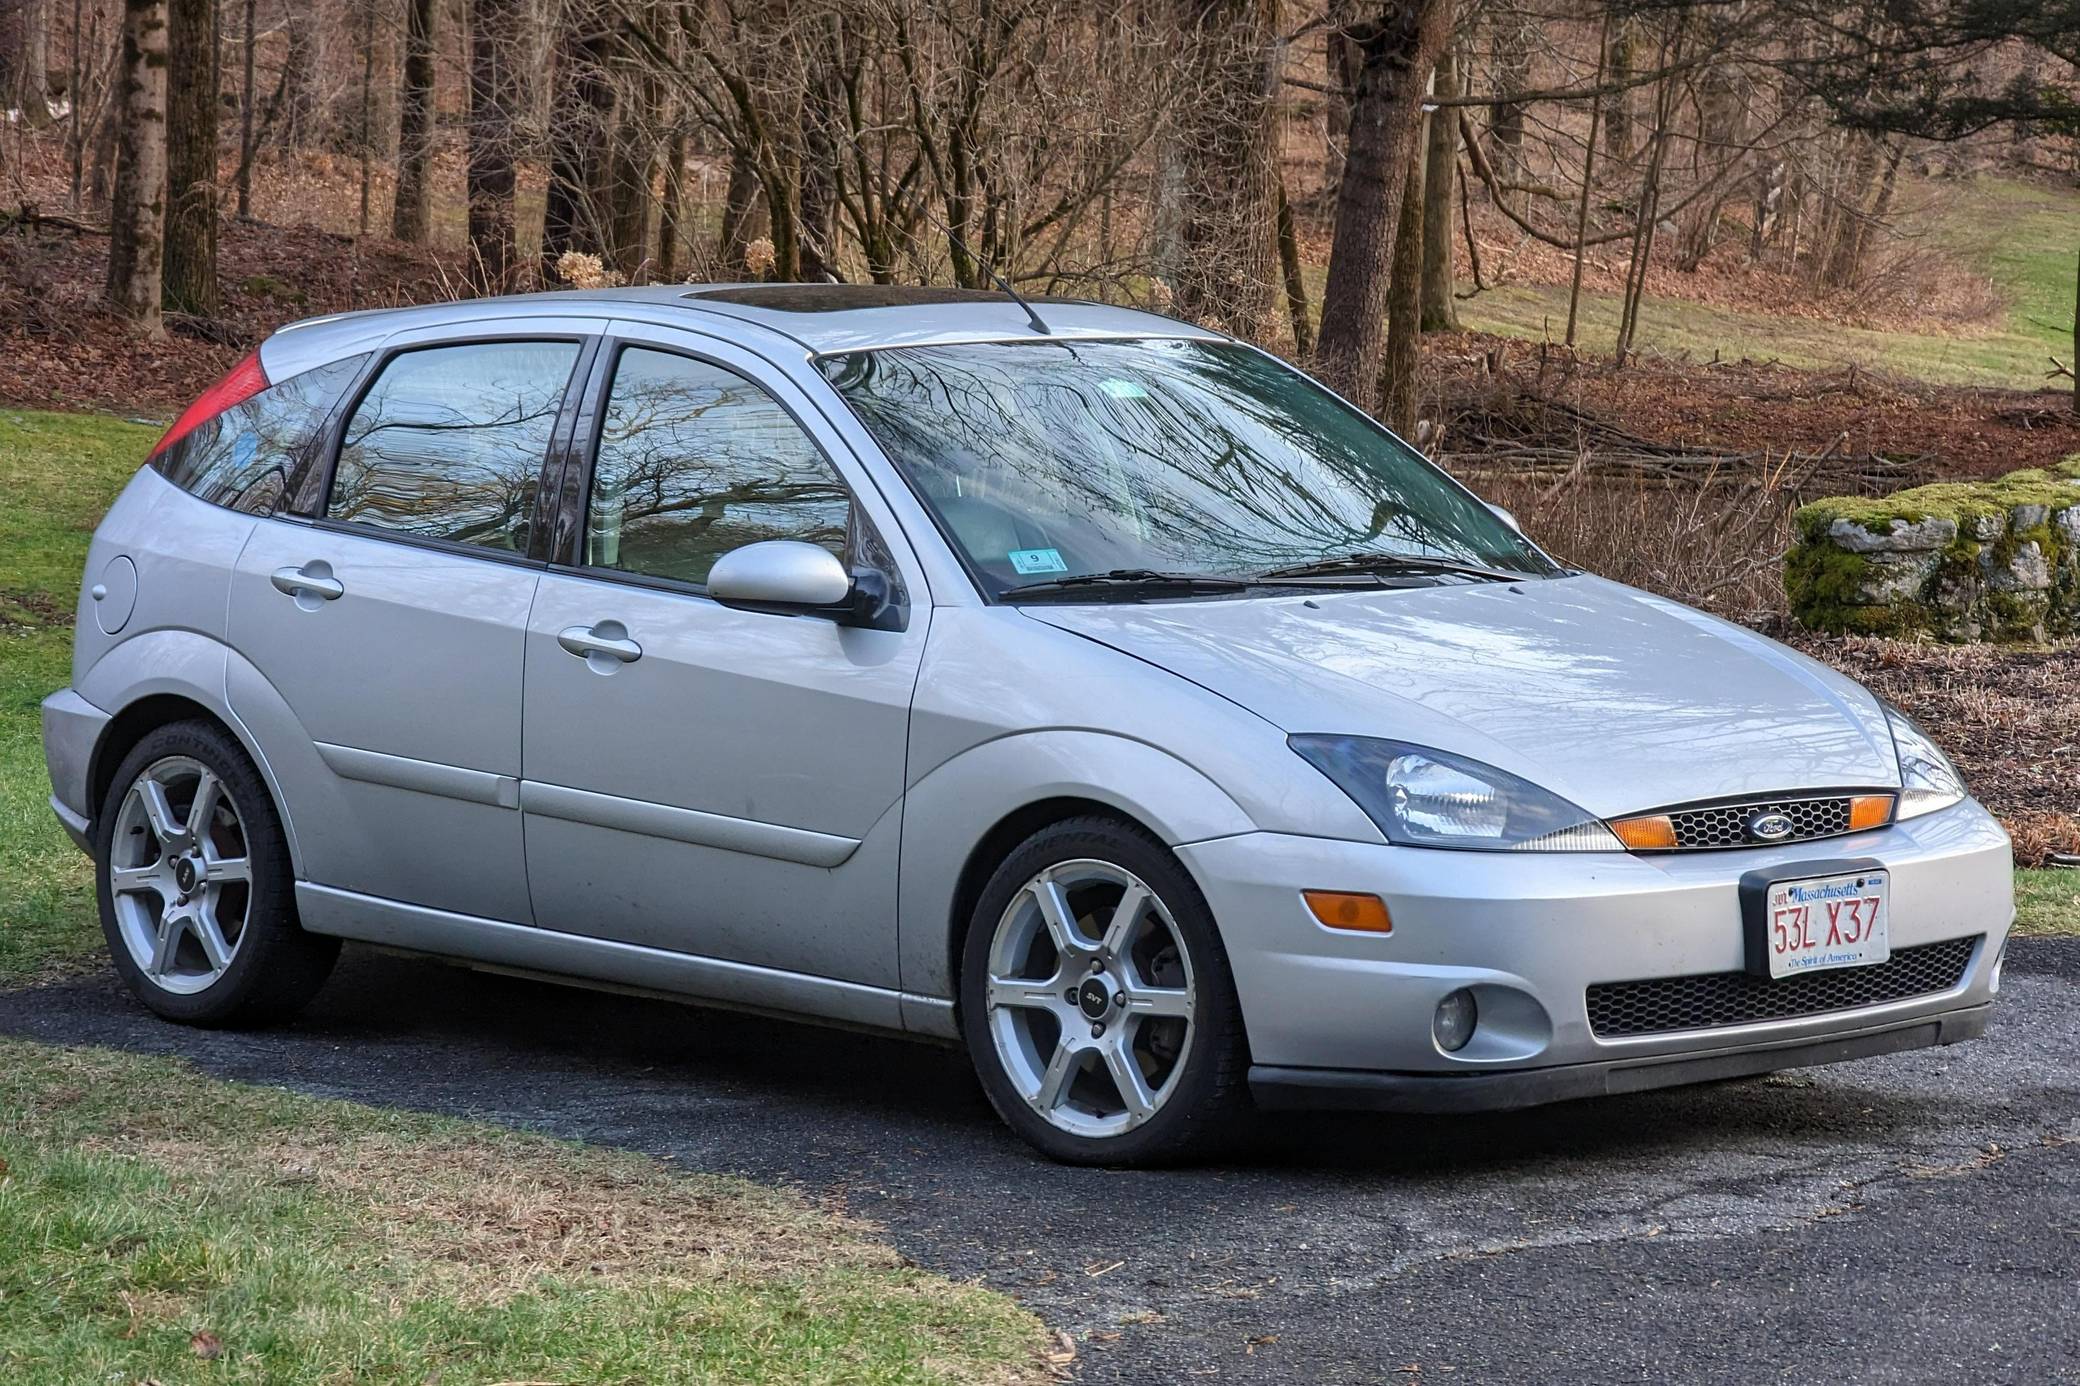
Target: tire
column 1172, row 1012
column 236, row 954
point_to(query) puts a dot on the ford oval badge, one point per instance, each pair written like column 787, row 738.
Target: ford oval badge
column 1771, row 827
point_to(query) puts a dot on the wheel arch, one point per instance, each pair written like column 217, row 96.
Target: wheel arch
column 163, row 677
column 963, row 818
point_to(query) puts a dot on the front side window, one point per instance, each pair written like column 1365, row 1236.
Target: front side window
column 448, row 442
column 1046, row 460
column 248, row 457
column 694, row 461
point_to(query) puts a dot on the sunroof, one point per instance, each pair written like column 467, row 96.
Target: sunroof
column 842, row 298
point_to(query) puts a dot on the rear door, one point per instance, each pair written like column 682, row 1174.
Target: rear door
column 730, row 783
column 389, row 627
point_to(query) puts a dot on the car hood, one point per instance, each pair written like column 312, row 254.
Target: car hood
column 1618, row 700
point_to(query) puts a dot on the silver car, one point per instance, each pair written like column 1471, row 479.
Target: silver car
column 1085, row 688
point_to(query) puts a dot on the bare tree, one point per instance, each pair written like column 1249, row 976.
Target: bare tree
column 1440, row 170
column 411, row 211
column 494, row 101
column 1228, row 137
column 191, row 159
column 1397, row 46
column 25, row 58
column 137, row 211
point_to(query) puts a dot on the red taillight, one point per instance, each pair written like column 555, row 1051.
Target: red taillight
column 245, row 380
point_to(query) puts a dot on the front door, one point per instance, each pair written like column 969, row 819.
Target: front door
column 697, row 778
column 392, row 628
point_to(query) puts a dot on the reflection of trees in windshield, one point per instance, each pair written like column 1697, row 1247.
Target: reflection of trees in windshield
column 1157, row 454
column 695, row 461
column 448, row 444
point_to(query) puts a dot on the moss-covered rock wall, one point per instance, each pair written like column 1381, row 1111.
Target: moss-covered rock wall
column 1990, row 560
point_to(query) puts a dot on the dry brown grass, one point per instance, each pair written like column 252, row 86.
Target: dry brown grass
column 489, row 1214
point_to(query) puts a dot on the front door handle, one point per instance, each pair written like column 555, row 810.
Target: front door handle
column 599, row 644
column 313, row 579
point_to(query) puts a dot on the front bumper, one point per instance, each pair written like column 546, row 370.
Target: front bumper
column 1332, row 1015
column 1349, row 1090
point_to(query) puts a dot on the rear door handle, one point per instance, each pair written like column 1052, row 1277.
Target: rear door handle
column 597, row 644
column 313, row 579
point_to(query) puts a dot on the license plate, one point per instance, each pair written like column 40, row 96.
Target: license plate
column 1826, row 921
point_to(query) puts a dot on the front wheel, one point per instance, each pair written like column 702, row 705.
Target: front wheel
column 195, row 887
column 1096, row 1000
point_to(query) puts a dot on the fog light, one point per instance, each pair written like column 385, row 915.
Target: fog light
column 1456, row 1016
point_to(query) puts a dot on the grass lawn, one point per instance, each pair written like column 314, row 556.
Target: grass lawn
column 58, row 473
column 2047, row 903
column 159, row 1225
column 2023, row 236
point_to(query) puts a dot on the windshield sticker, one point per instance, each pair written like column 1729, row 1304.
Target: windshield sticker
column 1123, row 389
column 1027, row 561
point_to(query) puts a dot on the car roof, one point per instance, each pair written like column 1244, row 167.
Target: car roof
column 819, row 317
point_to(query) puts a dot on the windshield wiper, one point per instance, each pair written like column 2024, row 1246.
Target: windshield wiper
column 1129, row 583
column 1387, row 563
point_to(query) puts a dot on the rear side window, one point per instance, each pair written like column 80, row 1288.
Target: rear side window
column 448, row 442
column 248, row 457
column 694, row 461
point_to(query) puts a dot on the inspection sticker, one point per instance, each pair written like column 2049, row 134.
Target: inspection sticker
column 1028, row 561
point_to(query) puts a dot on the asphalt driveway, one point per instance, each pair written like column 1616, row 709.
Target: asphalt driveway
column 1913, row 1218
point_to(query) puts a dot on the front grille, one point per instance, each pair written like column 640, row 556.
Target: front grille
column 1662, row 1004
column 1726, row 825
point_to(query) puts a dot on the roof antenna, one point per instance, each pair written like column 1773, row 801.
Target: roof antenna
column 990, row 270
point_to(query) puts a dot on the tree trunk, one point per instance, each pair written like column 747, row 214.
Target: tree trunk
column 494, row 99
column 1515, row 36
column 739, row 215
column 1397, row 48
column 1296, row 281
column 1440, row 164
column 816, row 226
column 365, row 119
column 632, row 175
column 671, row 217
column 25, row 59
column 137, row 214
column 1229, row 148
column 247, row 103
column 301, row 65
column 581, row 117
column 411, row 211
column 1617, row 107
column 1397, row 380
column 1340, row 74
column 191, row 159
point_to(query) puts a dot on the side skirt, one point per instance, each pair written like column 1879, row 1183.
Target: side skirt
column 524, row 950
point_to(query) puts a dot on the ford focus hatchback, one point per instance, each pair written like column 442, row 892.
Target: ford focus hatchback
column 1087, row 689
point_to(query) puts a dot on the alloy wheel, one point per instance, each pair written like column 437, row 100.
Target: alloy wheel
column 179, row 875
column 1090, row 998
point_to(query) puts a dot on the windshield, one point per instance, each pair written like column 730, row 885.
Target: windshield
column 1052, row 460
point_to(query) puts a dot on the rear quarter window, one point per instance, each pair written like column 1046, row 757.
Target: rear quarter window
column 249, row 457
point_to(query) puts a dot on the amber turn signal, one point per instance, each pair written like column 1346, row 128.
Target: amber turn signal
column 1869, row 811
column 1341, row 910
column 1654, row 833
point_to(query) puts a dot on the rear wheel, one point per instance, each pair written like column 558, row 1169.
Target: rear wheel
column 196, row 892
column 1096, row 999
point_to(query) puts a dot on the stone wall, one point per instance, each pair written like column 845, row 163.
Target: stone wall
column 1994, row 560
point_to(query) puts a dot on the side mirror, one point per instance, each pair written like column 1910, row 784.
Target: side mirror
column 1505, row 517
column 782, row 575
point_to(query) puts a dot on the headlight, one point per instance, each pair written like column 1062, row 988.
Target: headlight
column 1425, row 798
column 1928, row 781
